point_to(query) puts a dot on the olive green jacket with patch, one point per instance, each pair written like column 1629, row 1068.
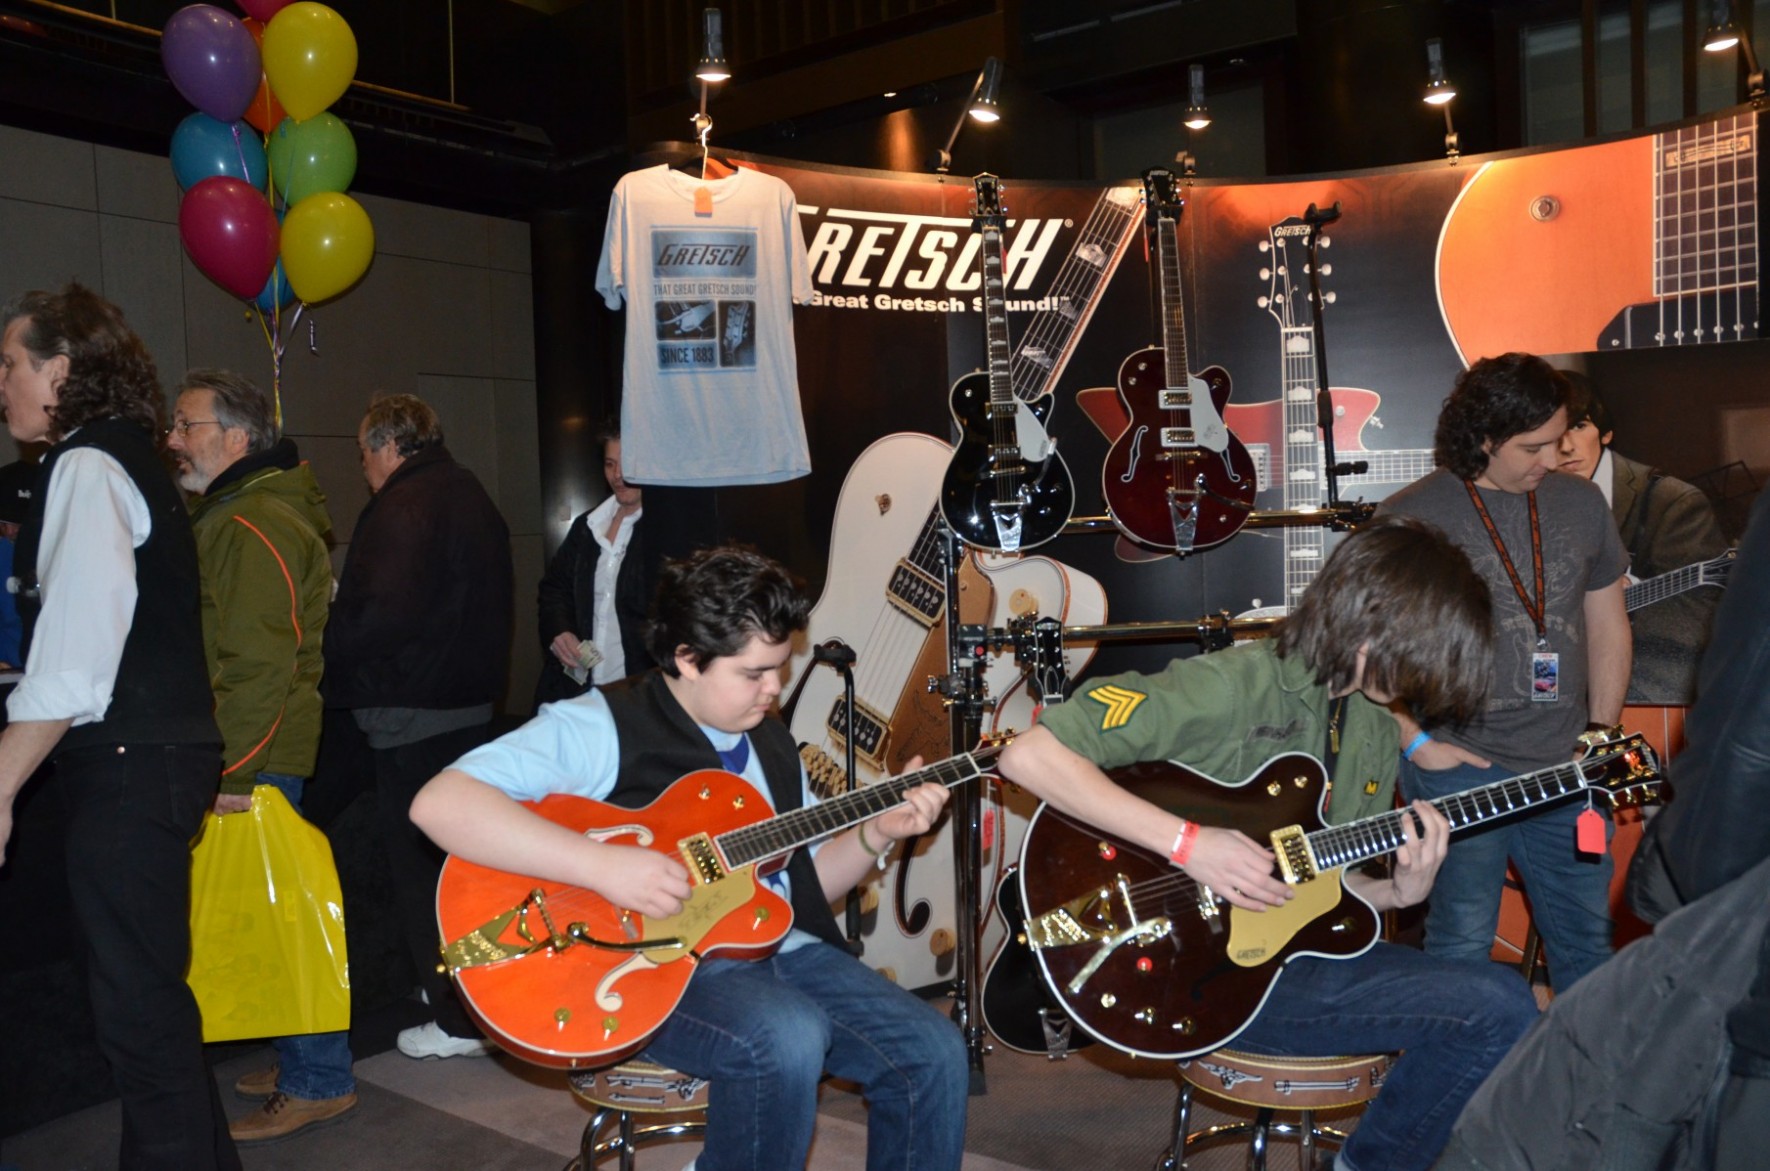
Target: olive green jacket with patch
column 1226, row 715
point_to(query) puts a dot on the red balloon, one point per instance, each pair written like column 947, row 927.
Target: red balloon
column 263, row 10
column 231, row 232
column 265, row 113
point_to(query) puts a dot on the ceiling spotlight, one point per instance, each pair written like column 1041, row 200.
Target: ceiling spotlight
column 712, row 65
column 1723, row 34
column 1438, row 90
column 1198, row 115
column 983, row 106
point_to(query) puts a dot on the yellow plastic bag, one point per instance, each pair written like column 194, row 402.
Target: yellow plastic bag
column 267, row 925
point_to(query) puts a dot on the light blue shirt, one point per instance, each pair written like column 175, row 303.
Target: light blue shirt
column 573, row 747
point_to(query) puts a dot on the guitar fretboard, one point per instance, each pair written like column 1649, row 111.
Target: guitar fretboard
column 1049, row 338
column 1705, row 260
column 1678, row 581
column 787, row 832
column 1372, row 837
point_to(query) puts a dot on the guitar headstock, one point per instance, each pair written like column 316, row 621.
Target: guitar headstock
column 1038, row 649
column 1623, row 768
column 1161, row 196
column 1288, row 297
column 987, row 210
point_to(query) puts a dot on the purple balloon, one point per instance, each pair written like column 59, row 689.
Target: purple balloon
column 212, row 59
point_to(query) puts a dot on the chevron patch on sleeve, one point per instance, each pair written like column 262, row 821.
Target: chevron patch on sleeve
column 1119, row 703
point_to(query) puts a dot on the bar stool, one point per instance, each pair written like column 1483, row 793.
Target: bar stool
column 635, row 1088
column 1301, row 1085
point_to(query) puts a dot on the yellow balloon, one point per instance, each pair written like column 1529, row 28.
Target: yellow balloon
column 309, row 58
column 327, row 245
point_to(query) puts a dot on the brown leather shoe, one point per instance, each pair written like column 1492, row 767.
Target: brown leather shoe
column 282, row 1116
column 258, row 1085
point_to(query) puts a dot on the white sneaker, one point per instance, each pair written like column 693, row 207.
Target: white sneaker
column 428, row 1040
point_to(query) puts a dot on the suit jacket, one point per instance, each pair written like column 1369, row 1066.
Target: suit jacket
column 566, row 600
column 1665, row 524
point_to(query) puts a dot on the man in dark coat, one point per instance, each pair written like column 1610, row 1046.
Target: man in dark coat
column 418, row 648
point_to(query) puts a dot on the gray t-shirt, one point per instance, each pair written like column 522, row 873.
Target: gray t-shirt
column 1581, row 553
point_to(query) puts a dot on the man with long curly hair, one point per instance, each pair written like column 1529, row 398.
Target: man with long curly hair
column 116, row 692
column 1549, row 551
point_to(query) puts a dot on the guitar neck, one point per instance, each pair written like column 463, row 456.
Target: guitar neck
column 1167, row 250
column 789, row 831
column 1678, row 581
column 1373, row 837
column 1706, row 175
column 1049, row 338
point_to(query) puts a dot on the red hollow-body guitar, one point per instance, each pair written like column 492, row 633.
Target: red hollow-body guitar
column 1142, row 957
column 1177, row 478
column 561, row 977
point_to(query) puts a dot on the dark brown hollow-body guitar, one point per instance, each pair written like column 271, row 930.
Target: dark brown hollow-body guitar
column 1147, row 960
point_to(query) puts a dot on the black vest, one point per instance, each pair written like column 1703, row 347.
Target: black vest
column 162, row 693
column 660, row 743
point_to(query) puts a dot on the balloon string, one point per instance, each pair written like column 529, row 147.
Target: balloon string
column 240, row 153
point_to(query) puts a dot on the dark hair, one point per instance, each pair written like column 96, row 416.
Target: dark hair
column 238, row 403
column 609, row 432
column 404, row 420
column 110, row 372
column 713, row 601
column 1493, row 400
column 1583, row 403
column 1398, row 589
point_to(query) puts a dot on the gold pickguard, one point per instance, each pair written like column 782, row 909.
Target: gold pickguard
column 1255, row 936
column 709, row 903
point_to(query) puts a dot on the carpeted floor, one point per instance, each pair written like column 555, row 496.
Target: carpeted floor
column 1096, row 1110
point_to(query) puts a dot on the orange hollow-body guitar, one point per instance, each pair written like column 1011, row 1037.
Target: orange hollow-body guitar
column 561, row 977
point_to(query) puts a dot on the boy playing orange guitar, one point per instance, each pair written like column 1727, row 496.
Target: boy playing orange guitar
column 762, row 1030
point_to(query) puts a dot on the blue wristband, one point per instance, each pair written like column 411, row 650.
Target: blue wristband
column 1413, row 745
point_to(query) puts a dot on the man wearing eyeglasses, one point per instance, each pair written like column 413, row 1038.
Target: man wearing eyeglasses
column 260, row 522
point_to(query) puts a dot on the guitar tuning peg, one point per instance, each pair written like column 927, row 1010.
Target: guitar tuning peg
column 1265, row 245
column 1263, row 302
column 1330, row 298
column 1327, row 270
column 1265, row 274
column 1327, row 241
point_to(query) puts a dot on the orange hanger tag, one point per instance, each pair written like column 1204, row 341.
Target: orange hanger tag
column 1589, row 832
column 703, row 201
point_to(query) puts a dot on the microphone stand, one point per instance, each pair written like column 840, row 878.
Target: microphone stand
column 838, row 654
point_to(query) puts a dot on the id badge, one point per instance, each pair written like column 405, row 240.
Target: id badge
column 1545, row 676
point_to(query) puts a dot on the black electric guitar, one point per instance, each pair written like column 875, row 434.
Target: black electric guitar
column 1177, row 478
column 1006, row 489
column 1144, row 958
column 1713, row 572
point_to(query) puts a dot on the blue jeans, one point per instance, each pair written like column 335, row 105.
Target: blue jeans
column 764, row 1032
column 310, row 1065
column 1569, row 892
column 1455, row 1022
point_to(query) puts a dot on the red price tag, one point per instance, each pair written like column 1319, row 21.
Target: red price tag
column 1589, row 833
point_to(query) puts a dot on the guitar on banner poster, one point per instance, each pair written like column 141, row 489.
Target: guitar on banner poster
column 1177, row 478
column 1646, row 242
column 1006, row 489
column 1144, row 958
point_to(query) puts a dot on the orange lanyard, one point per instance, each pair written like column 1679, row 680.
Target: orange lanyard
column 1535, row 610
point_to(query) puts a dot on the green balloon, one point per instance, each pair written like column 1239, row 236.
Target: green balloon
column 311, row 157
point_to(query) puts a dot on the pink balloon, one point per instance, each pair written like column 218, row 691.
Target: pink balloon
column 231, row 232
column 263, row 10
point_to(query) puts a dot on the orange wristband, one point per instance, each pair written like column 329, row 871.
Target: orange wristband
column 1183, row 843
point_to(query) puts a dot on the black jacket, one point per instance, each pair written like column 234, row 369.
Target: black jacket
column 566, row 600
column 424, row 607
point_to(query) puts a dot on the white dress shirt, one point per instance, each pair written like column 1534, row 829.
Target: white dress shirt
column 94, row 518
column 605, row 624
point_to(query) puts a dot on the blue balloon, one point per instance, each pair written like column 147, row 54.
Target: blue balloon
column 277, row 293
column 205, row 147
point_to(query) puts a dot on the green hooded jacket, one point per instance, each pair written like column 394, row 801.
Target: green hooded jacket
column 267, row 585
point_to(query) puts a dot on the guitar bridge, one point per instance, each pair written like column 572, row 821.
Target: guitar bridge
column 1064, row 927
column 485, row 944
column 1295, row 862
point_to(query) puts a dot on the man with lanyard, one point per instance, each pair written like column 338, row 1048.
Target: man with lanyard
column 1396, row 615
column 1549, row 550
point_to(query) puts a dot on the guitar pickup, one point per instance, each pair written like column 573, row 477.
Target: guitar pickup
column 869, row 731
column 1175, row 398
column 1179, row 437
column 914, row 593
